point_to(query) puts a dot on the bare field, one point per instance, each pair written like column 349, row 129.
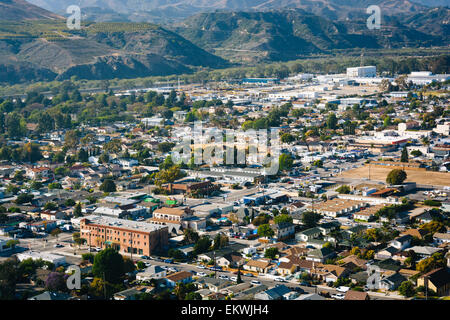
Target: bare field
column 419, row 177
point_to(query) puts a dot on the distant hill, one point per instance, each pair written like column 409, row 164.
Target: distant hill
column 166, row 11
column 292, row 34
column 433, row 3
column 17, row 10
column 45, row 49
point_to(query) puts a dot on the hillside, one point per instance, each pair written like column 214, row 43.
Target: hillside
column 16, row 10
column 292, row 34
column 167, row 11
column 44, row 49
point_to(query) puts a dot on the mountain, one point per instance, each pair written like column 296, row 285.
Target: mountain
column 47, row 50
column 433, row 3
column 168, row 11
column 22, row 10
column 294, row 33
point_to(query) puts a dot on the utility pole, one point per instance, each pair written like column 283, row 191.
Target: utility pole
column 104, row 285
column 215, row 269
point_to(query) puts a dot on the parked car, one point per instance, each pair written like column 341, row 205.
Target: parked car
column 58, row 245
column 248, row 274
column 280, row 279
column 201, row 274
column 342, row 289
column 256, row 282
column 145, row 257
column 201, row 266
column 338, row 296
column 233, row 279
column 223, row 277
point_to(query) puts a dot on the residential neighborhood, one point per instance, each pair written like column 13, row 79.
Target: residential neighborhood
column 357, row 207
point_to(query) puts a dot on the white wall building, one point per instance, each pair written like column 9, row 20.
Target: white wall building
column 363, row 72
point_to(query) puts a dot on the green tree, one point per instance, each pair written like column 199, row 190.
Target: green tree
column 310, row 219
column 283, row 218
column 77, row 210
column 109, row 264
column 108, row 186
column 265, row 230
column 396, row 176
column 344, row 189
column 406, row 289
column 285, row 162
column 404, row 156
column 332, row 121
column 271, row 253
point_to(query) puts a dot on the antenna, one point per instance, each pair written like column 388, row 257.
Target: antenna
column 362, row 57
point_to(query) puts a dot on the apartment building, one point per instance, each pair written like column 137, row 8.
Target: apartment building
column 124, row 235
column 337, row 207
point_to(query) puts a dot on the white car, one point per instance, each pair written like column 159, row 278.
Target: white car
column 279, row 279
column 171, row 269
column 201, row 267
column 223, row 277
column 255, row 282
column 338, row 296
column 342, row 289
column 233, row 279
column 201, row 274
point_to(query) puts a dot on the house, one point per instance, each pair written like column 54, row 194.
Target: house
column 437, row 280
column 329, row 272
column 308, row 234
column 354, row 260
column 424, row 251
column 359, row 277
column 249, row 293
column 402, row 242
column 356, row 295
column 386, row 253
column 275, row 293
column 131, row 293
column 47, row 296
column 286, row 268
column 416, row 233
column 441, row 238
column 259, row 266
column 392, row 282
column 178, row 277
column 328, row 227
column 52, row 215
column 283, row 230
column 152, row 272
column 320, row 255
column 213, row 284
column 310, row 296
column 230, row 260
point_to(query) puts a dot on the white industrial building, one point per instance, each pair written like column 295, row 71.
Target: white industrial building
column 56, row 259
column 426, row 77
column 362, row 72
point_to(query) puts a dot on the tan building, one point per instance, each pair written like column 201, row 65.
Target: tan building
column 124, row 235
column 437, row 280
column 257, row 266
column 337, row 207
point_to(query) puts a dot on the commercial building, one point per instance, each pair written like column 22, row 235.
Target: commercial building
column 363, row 72
column 56, row 259
column 337, row 207
column 124, row 235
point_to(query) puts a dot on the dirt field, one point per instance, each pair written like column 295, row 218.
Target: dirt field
column 419, row 177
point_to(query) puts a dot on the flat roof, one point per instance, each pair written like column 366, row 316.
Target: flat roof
column 124, row 224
